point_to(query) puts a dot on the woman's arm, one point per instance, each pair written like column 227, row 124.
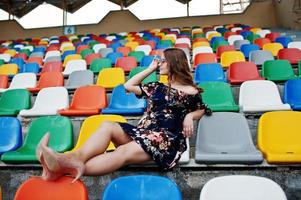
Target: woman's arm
column 188, row 121
column 132, row 85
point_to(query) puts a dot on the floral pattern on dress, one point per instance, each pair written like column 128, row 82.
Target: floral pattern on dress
column 159, row 132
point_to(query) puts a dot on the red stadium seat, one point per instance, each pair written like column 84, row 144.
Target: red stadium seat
column 202, row 58
column 293, row 55
column 243, row 71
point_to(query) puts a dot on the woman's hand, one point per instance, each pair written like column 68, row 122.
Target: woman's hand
column 188, row 125
column 154, row 64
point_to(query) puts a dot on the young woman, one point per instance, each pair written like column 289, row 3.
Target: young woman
column 159, row 136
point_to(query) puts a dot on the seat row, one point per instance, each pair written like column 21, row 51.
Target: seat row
column 228, row 143
column 145, row 187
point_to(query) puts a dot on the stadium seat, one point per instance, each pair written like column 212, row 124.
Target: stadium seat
column 209, row 72
column 262, row 33
column 9, row 69
column 145, row 48
column 238, row 43
column 87, row 100
column 90, row 57
column 104, row 77
column 22, row 81
column 253, row 37
column 295, row 44
column 49, row 79
column 273, row 48
column 5, row 56
column 12, row 101
column 292, row 93
column 55, row 66
column 233, row 38
column 71, row 57
column 3, row 82
column 146, row 61
column 11, row 134
column 79, row 78
column 105, row 51
column 261, row 41
column 11, row 52
column 30, row 68
column 150, row 78
column 114, row 56
column 202, row 58
column 218, row 96
column 52, row 54
column 97, row 47
column 75, row 65
column 36, row 189
column 61, row 139
column 91, row 124
column 86, row 52
column 293, row 55
column 243, row 71
column 142, row 187
column 198, row 50
column 222, row 49
column 48, row 102
column 225, row 138
column 284, row 40
column 217, row 44
column 137, row 54
column 133, row 45
column 259, row 96
column 37, row 55
column 126, row 63
column 277, row 70
column 229, row 57
column 278, row 136
column 124, row 50
column 98, row 64
column 122, row 103
column 260, row 56
column 38, row 60
column 247, row 48
column 238, row 187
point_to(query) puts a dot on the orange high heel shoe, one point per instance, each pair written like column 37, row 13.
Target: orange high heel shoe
column 61, row 164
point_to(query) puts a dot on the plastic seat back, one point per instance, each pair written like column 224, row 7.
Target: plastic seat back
column 50, row 79
column 71, row 57
column 261, row 41
column 145, row 48
column 61, row 139
column 292, row 94
column 218, row 96
column 225, row 137
column 278, row 136
column 260, row 56
column 146, row 61
column 3, row 81
column 237, row 187
column 75, row 65
column 209, row 72
column 105, row 77
column 293, row 55
column 229, row 57
column 48, row 101
column 12, row 101
column 124, row 104
column 273, row 47
column 277, row 70
column 295, row 44
column 23, row 81
column 31, row 67
column 260, row 96
column 243, row 71
column 91, row 124
column 142, row 187
column 233, row 38
column 202, row 58
column 100, row 63
column 222, row 49
column 284, row 40
column 11, row 134
column 247, row 48
column 105, row 51
column 114, row 56
column 80, row 78
column 55, row 66
column 37, row 189
column 197, row 50
column 126, row 63
column 90, row 57
column 9, row 69
column 150, row 78
column 238, row 43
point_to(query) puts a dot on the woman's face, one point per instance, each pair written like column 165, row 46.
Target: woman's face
column 164, row 67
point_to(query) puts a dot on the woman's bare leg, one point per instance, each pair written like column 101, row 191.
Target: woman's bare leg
column 130, row 153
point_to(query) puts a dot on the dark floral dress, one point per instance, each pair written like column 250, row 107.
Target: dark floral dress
column 159, row 132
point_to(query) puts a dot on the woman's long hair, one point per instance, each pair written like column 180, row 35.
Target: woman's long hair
column 178, row 67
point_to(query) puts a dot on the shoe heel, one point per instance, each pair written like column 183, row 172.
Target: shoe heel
column 79, row 172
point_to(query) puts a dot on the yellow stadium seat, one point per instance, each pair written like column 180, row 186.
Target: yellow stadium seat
column 91, row 124
column 255, row 30
column 272, row 47
column 163, row 79
column 229, row 57
column 9, row 69
column 200, row 44
column 155, row 30
column 211, row 35
column 43, row 42
column 71, row 57
column 133, row 45
column 169, row 37
column 11, row 52
column 160, row 34
column 68, row 48
column 197, row 31
column 130, row 38
column 111, row 77
column 279, row 136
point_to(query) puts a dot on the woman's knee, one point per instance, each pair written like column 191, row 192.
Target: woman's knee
column 107, row 125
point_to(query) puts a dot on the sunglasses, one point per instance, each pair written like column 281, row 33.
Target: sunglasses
column 161, row 60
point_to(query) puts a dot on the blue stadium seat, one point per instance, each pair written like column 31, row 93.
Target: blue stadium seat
column 114, row 56
column 146, row 61
column 142, row 187
column 284, row 40
column 247, row 48
column 124, row 104
column 31, row 67
column 209, row 72
column 11, row 134
column 216, row 39
column 292, row 93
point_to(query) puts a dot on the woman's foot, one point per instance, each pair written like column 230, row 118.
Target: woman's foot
column 62, row 164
